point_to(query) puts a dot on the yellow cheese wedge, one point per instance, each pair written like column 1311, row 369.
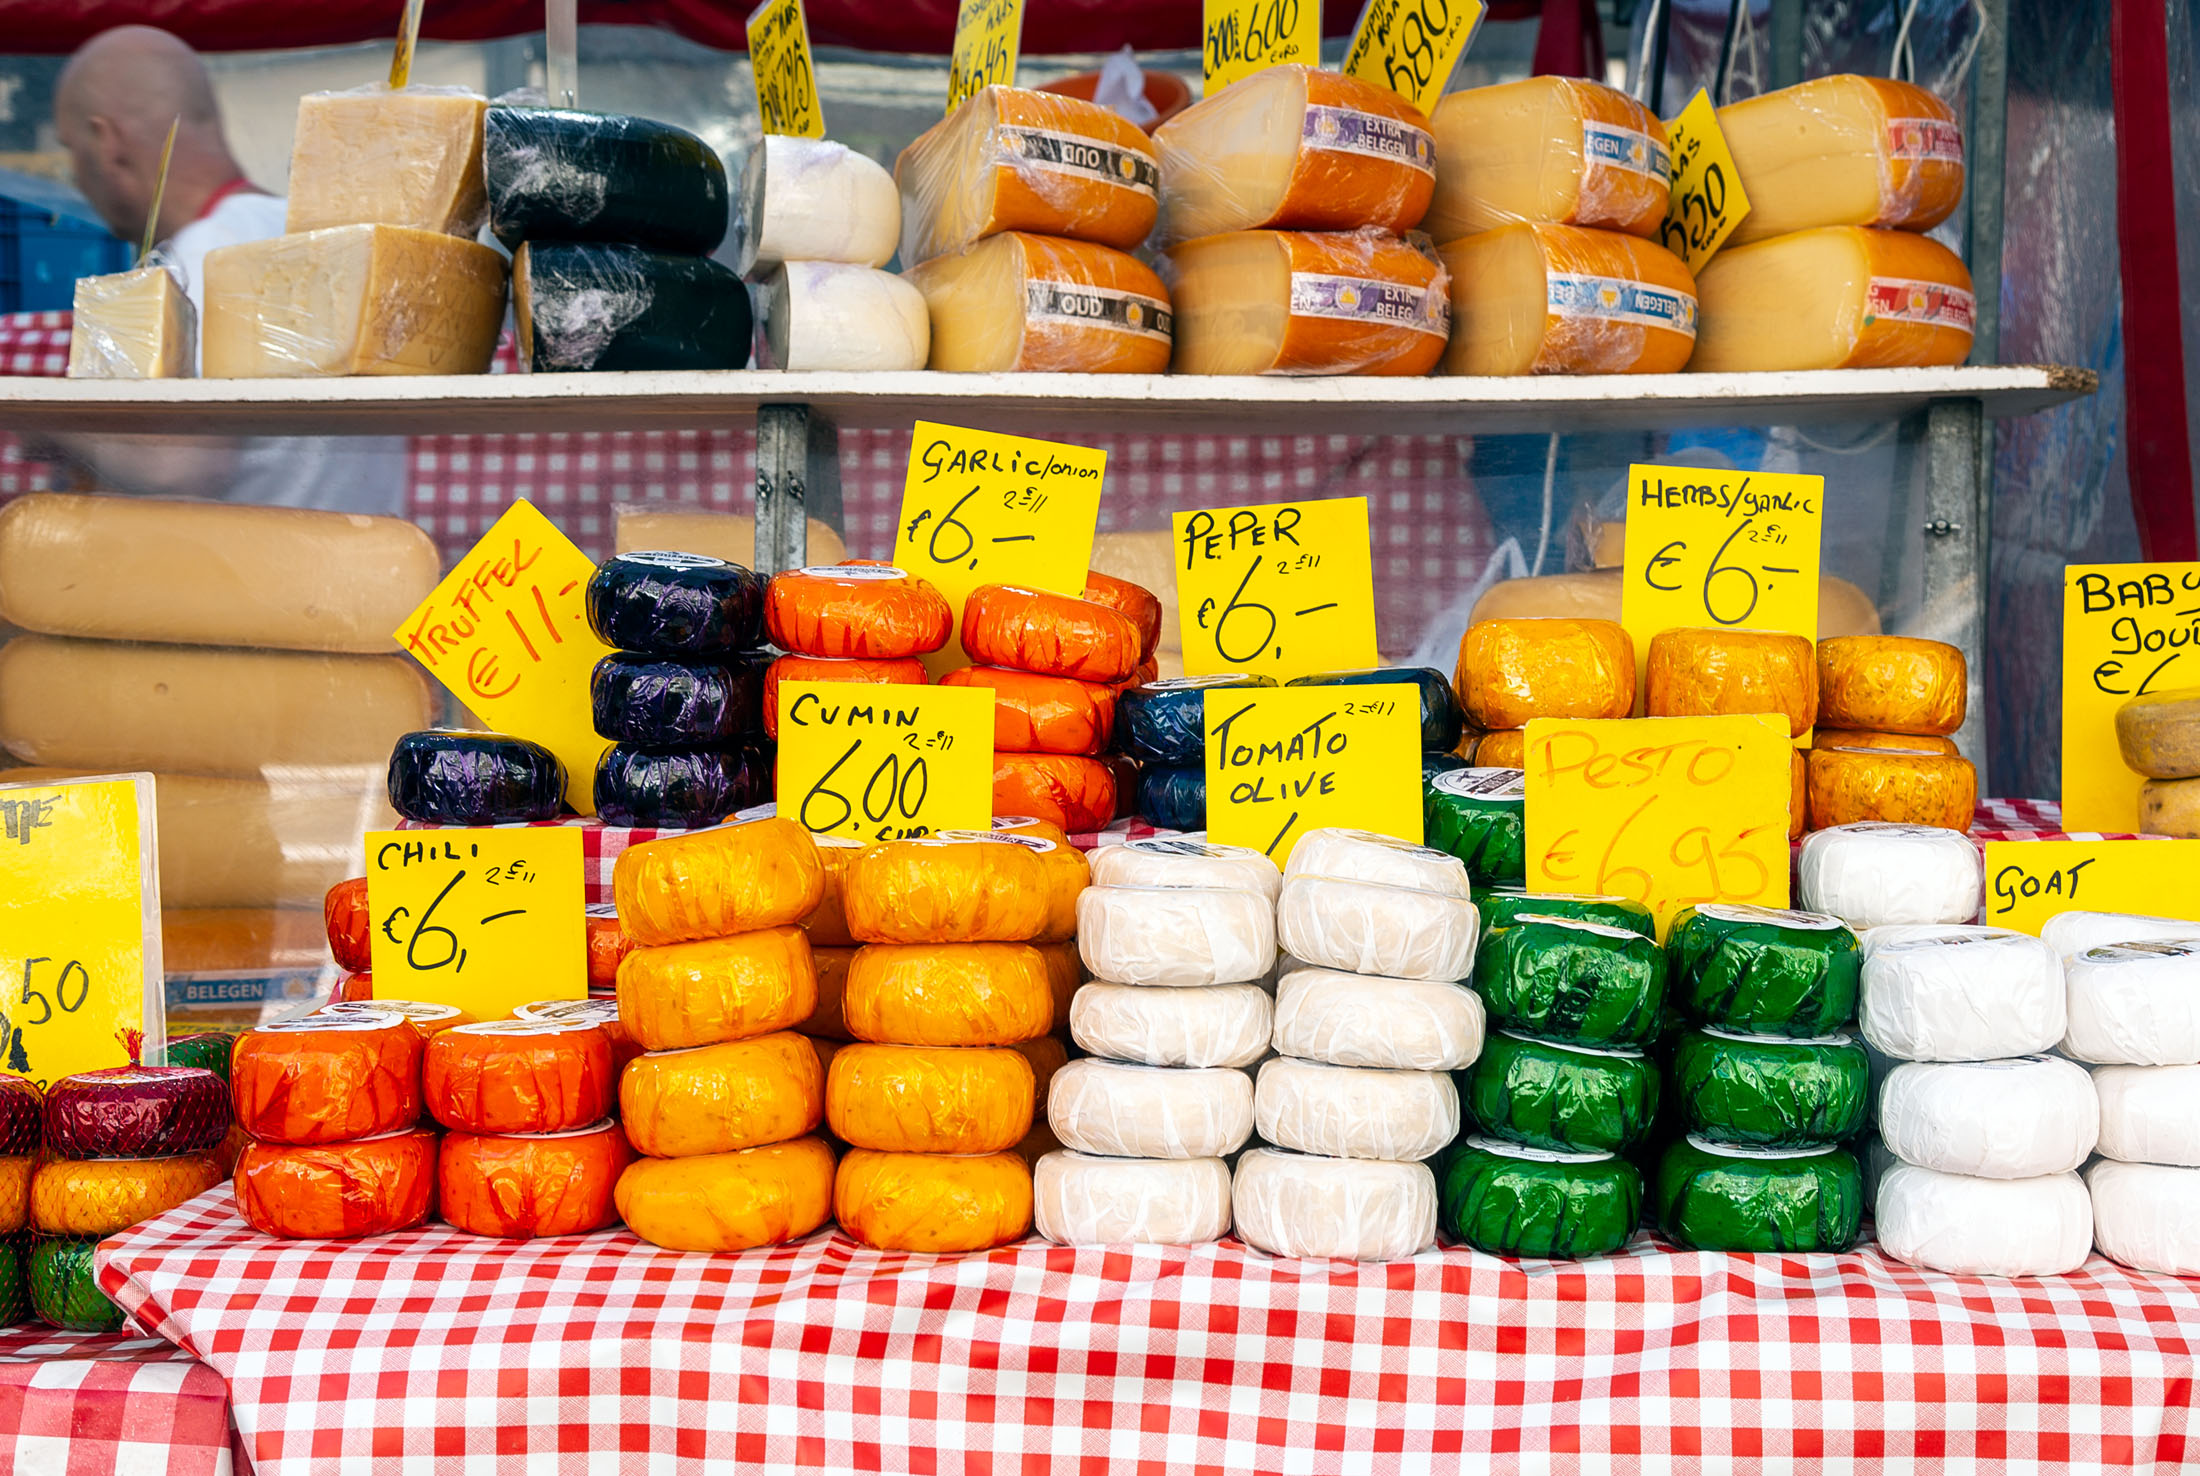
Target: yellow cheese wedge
column 1841, row 297
column 373, row 156
column 1042, row 305
column 1306, row 302
column 1697, row 672
column 1844, row 150
column 2170, row 807
column 2159, row 733
column 133, row 325
column 1551, row 149
column 728, row 1201
column 1555, row 299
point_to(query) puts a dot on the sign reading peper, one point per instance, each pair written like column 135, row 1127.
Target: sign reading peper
column 786, row 78
column 487, row 920
column 1708, row 200
column 1242, row 37
column 1285, row 760
column 1412, row 46
column 2128, row 630
column 878, row 763
column 988, row 36
column 2028, row 882
column 1280, row 589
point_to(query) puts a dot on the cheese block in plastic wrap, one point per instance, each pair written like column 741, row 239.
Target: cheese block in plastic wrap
column 1984, row 1227
column 1042, row 714
column 1218, row 1025
column 1037, row 304
column 523, row 1187
column 1350, row 1112
column 1134, row 602
column 1841, row 297
column 679, row 789
column 1067, row 872
column 1177, row 862
column 1365, row 856
column 929, row 1099
column 1960, row 993
column 1364, row 928
column 1502, row 907
column 1762, row 970
column 1084, row 1199
column 360, row 299
column 1561, row 1098
column 599, row 306
column 597, row 1010
column 968, row 888
column 518, row 1076
column 1870, row 875
column 376, row 155
column 1165, row 722
column 136, row 1112
column 1844, row 150
column 1296, row 1204
column 709, row 990
column 948, row 994
column 1177, row 936
column 138, row 324
column 722, row 1098
column 1556, row 299
column 1849, row 785
column 1547, row 149
column 2013, row 1119
column 729, row 1201
column 1694, row 672
column 2149, row 1114
column 2147, row 1216
column 857, row 610
column 680, row 606
column 813, row 200
column 104, row 1196
column 1119, row 1109
column 1298, row 149
column 1390, row 1024
column 1891, row 684
column 1512, row 1200
column 2135, row 1004
column 1305, row 302
column 1769, row 1092
column 2072, row 933
column 1583, row 983
column 557, row 174
column 932, row 1202
column 1514, row 670
column 338, row 1191
column 1071, row 791
column 714, row 883
column 1717, row 1197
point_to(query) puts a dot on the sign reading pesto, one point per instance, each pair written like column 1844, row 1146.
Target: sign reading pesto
column 1285, row 760
column 885, row 763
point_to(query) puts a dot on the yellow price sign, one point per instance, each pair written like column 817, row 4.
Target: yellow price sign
column 786, row 79
column 879, row 763
column 1245, row 36
column 486, row 920
column 1281, row 589
column 982, row 508
column 507, row 633
column 1667, row 811
column 988, row 36
column 1412, row 46
column 1285, row 760
column 80, row 972
column 2028, row 882
column 1708, row 200
column 2128, row 630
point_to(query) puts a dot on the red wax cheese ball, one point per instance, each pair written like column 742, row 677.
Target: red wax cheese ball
column 1054, row 635
column 1134, row 602
column 521, row 1187
column 859, row 610
column 327, row 1079
column 338, row 1191
column 907, row 671
column 518, row 1076
column 22, row 1116
column 136, row 1112
column 1042, row 714
column 607, row 944
column 350, row 932
column 1078, row 794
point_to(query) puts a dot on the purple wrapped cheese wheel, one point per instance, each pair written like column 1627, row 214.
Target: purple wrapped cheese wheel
column 22, row 1116
column 681, row 605
column 650, row 701
column 136, row 1112
column 680, row 789
column 447, row 776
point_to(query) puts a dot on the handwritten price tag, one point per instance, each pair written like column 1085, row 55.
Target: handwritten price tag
column 487, row 920
column 786, row 80
column 885, row 763
column 988, row 36
column 1280, row 589
column 1285, row 760
column 1708, row 200
column 1668, row 811
column 1411, row 46
column 2128, row 629
column 2028, row 882
column 1245, row 36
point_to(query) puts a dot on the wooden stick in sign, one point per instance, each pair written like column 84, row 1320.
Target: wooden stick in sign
column 408, row 36
column 160, row 188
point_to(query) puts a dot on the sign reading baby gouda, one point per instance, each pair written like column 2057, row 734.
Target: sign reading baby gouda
column 2128, row 630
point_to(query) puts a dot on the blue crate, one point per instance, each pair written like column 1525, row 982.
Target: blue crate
column 42, row 255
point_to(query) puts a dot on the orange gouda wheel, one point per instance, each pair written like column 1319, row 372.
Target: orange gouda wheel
column 520, row 1187
column 949, row 994
column 717, row 882
column 15, row 1190
column 905, row 671
column 1042, row 714
column 1826, row 737
column 717, row 989
column 607, row 944
column 729, row 1201
column 353, row 988
column 929, row 1099
column 1507, row 749
column 327, row 1079
column 424, row 1016
column 1697, row 672
column 722, row 1098
column 1798, row 794
column 857, row 611
column 1513, row 670
column 1852, row 784
column 1068, row 872
column 827, row 923
column 601, row 1013
column 830, row 1018
column 1134, row 602
column 1051, row 634
column 336, row 1191
column 104, row 1196
column 1065, row 972
column 933, row 1203
column 1891, row 684
column 518, row 1076
column 941, row 890
column 350, row 935
column 1077, row 794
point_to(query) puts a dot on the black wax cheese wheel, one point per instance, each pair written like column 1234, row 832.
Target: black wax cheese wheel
column 1764, row 971
column 1713, row 1197
column 1566, row 1099
column 1441, row 724
column 1515, row 1201
column 558, row 175
column 595, row 307
column 448, row 777
column 1173, row 796
column 63, row 1290
column 680, row 789
column 1772, row 1093
column 1501, row 905
column 1480, row 816
column 676, row 605
column 1433, row 764
column 659, row 703
column 1165, row 722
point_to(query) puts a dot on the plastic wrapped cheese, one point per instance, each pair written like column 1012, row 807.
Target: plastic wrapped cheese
column 1547, row 149
column 856, row 611
column 1563, row 979
column 138, row 324
column 1717, row 1197
column 2072, row 933
column 1179, row 936
column 1122, row 1110
column 1961, row 994
column 1844, row 150
column 378, row 155
column 1513, row 1200
column 1365, row 928
column 1073, row 792
column 966, row 889
column 903, row 671
column 933, row 1202
column 1556, row 299
column 729, row 1201
column 1502, row 907
column 1763, row 971
column 1051, row 634
column 722, row 1098
column 1391, row 1024
column 811, row 200
column 929, row 1099
column 1351, row 1112
column 1067, row 871
column 136, row 1112
column 597, row 1010
column 1891, row 684
column 64, row 1289
column 1693, row 672
column 1134, row 602
column 338, row 1190
column 2147, row 1216
column 1837, row 298
column 679, row 789
column 1849, row 785
column 2149, row 1114
column 1302, row 302
column 1480, row 816
column 1384, row 860
column 557, row 174
column 1165, row 722
column 948, row 994
column 22, row 1116
column 1871, row 874
column 1514, row 670
column 1984, row 1227
column 327, row 1079
column 1084, row 1199
column 2012, row 1119
column 680, row 606
column 448, row 777
column 664, row 704
column 1043, row 305
column 1042, row 714
column 2135, row 1004
column 717, row 989
column 1216, row 1025
column 601, row 306
column 525, row 1187
column 1177, row 862
column 518, row 1076
column 424, row 1016
column 104, row 1196
column 1561, row 1098
column 1295, row 1204
column 717, row 882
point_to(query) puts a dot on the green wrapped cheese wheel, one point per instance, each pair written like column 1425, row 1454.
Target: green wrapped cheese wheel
column 1771, row 1093
column 1480, row 816
column 210, row 1051
column 1717, row 1197
column 15, row 1292
column 1578, row 982
column 63, row 1291
column 1501, row 905
column 1515, row 1201
column 1759, row 971
column 1564, row 1098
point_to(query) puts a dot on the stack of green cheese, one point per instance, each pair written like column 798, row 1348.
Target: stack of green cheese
column 1480, row 816
column 62, row 1288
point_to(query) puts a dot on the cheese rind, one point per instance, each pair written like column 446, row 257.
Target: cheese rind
column 2007, row 1119
column 1038, row 305
column 729, row 1201
column 1969, row 1226
column 1308, row 302
column 1844, row 150
column 377, row 156
column 2170, row 807
column 2158, row 733
column 933, row 1202
column 1840, row 297
column 1547, row 149
column 930, row 1099
column 1556, row 299
column 813, row 200
column 133, row 325
column 831, row 315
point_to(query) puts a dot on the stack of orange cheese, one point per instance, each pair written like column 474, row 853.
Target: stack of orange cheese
column 1886, row 706
column 859, row 621
column 1512, row 670
column 1703, row 672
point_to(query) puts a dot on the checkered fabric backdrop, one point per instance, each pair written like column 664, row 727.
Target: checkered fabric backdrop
column 108, row 1404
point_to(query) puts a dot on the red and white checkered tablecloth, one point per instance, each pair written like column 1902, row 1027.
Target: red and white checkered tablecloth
column 108, row 1404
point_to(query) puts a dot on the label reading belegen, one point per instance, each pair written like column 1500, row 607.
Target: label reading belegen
column 1364, row 299
column 1285, row 760
column 1616, row 300
column 1350, row 131
column 1625, row 148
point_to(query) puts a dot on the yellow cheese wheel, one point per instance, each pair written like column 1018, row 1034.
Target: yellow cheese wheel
column 15, row 1191
column 1505, row 749
column 949, row 994
column 1826, row 737
column 1558, row 299
column 691, row 994
column 1852, row 784
column 971, row 889
column 1513, row 670
column 722, row 1098
column 1841, row 297
column 2170, row 807
column 1891, row 684
column 830, row 1018
column 929, row 1099
column 1043, row 305
column 717, row 882
column 101, row 1196
column 2159, row 733
column 1696, row 672
column 933, row 1203
column 827, row 923
column 729, row 1201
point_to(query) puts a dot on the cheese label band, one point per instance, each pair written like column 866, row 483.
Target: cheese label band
column 1285, row 760
column 1364, row 299
column 786, row 78
column 1613, row 300
column 1412, row 46
column 1067, row 153
column 2128, row 630
column 1350, row 131
column 1099, row 307
column 879, row 763
column 80, row 965
column 507, row 633
column 1276, row 589
column 989, row 34
column 483, row 920
column 1708, row 200
column 2028, row 882
column 1906, row 300
column 1241, row 37
column 1668, row 812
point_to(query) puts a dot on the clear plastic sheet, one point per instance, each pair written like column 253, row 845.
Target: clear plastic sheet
column 374, row 155
column 556, row 175
column 1123, row 1110
column 1043, row 304
column 138, row 324
column 1083, row 1199
column 1547, row 149
column 810, row 199
column 1559, row 299
column 1352, row 1112
column 1295, row 1204
column 600, row 306
column 1308, row 302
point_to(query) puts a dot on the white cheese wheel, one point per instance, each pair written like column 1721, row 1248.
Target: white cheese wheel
column 2135, row 1004
column 1365, row 856
column 1351, row 1112
column 1351, row 1209
column 2147, row 1215
column 837, row 315
column 1177, row 861
column 1119, row 1109
column 1871, row 874
column 810, row 199
column 2149, row 1114
column 1984, row 1227
column 1219, row 1025
column 1176, row 936
column 1363, row 928
column 2072, row 933
column 1993, row 1119
column 1393, row 1024
column 1960, row 993
column 1083, row 1199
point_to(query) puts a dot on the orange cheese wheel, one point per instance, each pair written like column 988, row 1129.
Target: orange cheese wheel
column 1505, row 749
column 729, row 1201
column 1698, row 672
column 521, row 1187
column 1065, row 972
column 104, row 1196
column 327, row 1079
column 15, row 1190
column 1068, row 872
column 1891, row 684
column 607, row 944
column 518, row 1076
column 939, row 890
column 1293, row 302
column 933, row 1203
column 423, row 1015
column 856, row 611
column 949, row 994
column 1798, row 794
column 1826, row 737
column 599, row 1012
column 905, row 671
column 1042, row 714
column 717, row 989
column 1078, row 794
column 722, row 1098
column 827, row 923
column 717, row 882
column 350, row 932
column 1852, row 784
column 1840, row 297
column 337, row 1191
column 1512, row 670
column 830, row 1018
column 1134, row 602
column 1051, row 634
column 929, row 1099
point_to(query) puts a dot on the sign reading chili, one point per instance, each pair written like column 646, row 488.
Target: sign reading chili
column 487, row 920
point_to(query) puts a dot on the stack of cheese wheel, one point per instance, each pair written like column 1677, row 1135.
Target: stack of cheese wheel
column 1284, row 197
column 1480, row 816
column 858, row 621
column 1887, row 705
column 1829, row 270
column 350, row 935
column 1549, row 197
column 725, row 1102
column 1695, row 672
column 2159, row 737
column 1163, row 725
column 1180, row 937
column 1516, row 669
column 1766, row 1083
column 22, row 1131
column 1018, row 213
column 1439, row 708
